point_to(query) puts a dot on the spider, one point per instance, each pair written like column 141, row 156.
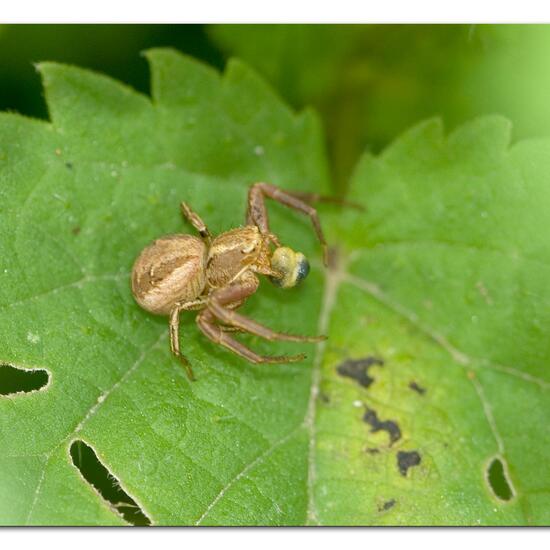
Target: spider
column 216, row 275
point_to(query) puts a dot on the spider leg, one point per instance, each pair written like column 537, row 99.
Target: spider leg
column 205, row 321
column 257, row 212
column 234, row 319
column 220, row 308
column 174, row 324
column 311, row 198
column 228, row 328
column 196, row 221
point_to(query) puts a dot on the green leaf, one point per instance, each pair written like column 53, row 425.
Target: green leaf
column 371, row 82
column 81, row 196
column 304, row 62
column 446, row 281
column 441, row 279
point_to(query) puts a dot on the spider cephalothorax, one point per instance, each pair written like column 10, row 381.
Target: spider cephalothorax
column 216, row 275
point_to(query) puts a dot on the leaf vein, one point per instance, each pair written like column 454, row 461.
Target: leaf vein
column 460, row 357
column 244, row 472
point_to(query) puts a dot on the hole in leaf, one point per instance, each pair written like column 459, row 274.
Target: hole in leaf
column 97, row 475
column 498, row 480
column 16, row 380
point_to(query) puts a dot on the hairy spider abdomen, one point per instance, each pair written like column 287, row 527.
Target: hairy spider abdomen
column 169, row 270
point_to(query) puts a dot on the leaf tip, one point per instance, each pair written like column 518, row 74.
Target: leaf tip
column 167, row 65
column 157, row 53
column 429, row 131
column 486, row 133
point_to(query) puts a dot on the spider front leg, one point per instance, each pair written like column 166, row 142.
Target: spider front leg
column 311, row 198
column 257, row 212
column 228, row 328
column 206, row 322
column 196, row 221
column 217, row 310
column 233, row 319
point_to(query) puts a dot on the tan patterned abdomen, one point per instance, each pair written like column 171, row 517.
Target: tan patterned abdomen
column 170, row 270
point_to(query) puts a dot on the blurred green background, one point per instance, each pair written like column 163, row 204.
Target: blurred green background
column 368, row 82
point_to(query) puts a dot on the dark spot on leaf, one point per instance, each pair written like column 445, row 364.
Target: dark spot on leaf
column 387, row 505
column 498, row 480
column 324, row 397
column 418, row 389
column 69, row 165
column 372, row 450
column 406, row 460
column 97, row 475
column 358, row 369
column 75, row 230
column 16, row 380
column 371, row 418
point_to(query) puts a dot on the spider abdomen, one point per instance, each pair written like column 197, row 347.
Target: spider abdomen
column 171, row 269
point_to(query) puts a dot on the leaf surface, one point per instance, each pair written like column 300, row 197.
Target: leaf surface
column 371, row 82
column 442, row 280
column 445, row 281
column 81, row 196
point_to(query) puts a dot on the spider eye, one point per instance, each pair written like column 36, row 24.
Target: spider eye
column 302, row 269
